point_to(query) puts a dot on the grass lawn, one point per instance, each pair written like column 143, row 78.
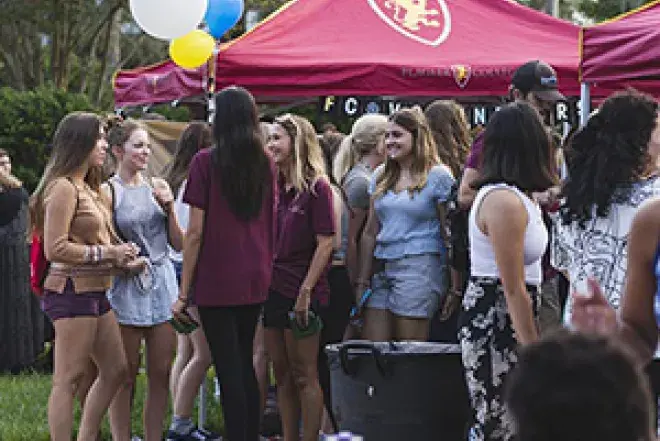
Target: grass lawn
column 23, row 401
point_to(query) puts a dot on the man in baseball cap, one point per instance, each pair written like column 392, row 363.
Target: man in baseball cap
column 538, row 79
column 534, row 82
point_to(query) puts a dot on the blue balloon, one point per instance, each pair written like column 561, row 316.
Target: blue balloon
column 222, row 15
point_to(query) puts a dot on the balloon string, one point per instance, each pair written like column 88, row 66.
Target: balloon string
column 212, row 65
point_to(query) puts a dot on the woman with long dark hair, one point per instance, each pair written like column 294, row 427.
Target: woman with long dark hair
column 228, row 251
column 71, row 216
column 612, row 169
column 193, row 356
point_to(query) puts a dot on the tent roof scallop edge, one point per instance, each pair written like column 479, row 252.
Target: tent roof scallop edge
column 624, row 51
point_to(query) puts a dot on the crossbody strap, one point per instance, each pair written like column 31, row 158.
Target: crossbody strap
column 113, row 204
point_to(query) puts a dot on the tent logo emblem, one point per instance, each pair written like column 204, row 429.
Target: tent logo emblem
column 461, row 74
column 425, row 21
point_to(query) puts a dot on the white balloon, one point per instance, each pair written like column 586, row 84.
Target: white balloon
column 168, row 19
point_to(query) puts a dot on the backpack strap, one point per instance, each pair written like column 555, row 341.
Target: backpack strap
column 114, row 203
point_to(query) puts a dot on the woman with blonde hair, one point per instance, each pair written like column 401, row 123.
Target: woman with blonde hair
column 405, row 233
column 143, row 212
column 71, row 216
column 299, row 285
column 359, row 155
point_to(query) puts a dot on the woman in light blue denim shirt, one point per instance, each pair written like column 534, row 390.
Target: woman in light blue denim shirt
column 405, row 233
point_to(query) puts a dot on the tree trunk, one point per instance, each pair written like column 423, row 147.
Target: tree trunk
column 14, row 66
column 88, row 65
column 112, row 54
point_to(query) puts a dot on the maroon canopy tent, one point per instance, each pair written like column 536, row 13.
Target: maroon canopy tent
column 624, row 51
column 310, row 48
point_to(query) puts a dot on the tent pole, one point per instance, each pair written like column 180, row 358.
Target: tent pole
column 210, row 86
column 585, row 103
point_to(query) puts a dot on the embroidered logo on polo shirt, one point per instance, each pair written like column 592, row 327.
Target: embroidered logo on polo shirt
column 425, row 21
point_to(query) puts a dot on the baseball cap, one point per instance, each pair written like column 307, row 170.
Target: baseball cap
column 538, row 77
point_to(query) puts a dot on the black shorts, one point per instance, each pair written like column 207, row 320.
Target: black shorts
column 276, row 310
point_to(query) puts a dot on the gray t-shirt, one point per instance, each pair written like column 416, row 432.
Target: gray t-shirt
column 356, row 188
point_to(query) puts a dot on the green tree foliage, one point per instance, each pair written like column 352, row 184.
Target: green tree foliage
column 587, row 11
column 27, row 124
column 605, row 9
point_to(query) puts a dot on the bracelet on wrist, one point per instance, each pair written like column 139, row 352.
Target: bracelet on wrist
column 183, row 300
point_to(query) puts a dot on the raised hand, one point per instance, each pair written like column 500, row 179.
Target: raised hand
column 592, row 313
column 163, row 193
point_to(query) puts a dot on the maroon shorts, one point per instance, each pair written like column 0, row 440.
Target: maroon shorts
column 70, row 304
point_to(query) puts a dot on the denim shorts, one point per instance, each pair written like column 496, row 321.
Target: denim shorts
column 70, row 304
column 411, row 286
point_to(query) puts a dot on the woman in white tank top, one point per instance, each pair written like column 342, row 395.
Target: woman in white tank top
column 507, row 242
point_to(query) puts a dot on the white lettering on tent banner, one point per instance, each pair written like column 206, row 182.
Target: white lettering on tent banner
column 394, row 107
column 479, row 116
column 561, row 112
column 351, row 106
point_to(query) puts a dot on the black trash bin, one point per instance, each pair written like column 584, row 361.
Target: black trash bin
column 395, row 391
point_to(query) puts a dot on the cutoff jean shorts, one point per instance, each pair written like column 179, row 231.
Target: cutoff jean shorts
column 411, row 286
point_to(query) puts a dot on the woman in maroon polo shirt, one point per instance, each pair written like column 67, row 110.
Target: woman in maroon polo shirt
column 228, row 251
column 302, row 253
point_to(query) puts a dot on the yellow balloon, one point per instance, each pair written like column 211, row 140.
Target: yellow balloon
column 192, row 50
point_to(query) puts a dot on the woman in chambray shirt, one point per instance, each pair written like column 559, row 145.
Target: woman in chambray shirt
column 405, row 233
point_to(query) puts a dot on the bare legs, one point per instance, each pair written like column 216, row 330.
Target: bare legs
column 382, row 325
column 298, row 389
column 160, row 343
column 78, row 340
column 260, row 362
column 193, row 372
